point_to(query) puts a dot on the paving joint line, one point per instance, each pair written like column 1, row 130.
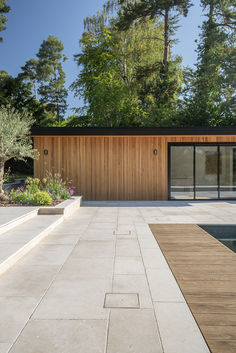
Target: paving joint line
column 157, row 326
column 46, row 290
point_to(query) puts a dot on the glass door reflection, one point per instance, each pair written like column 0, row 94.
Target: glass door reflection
column 182, row 172
column 206, row 172
column 227, row 172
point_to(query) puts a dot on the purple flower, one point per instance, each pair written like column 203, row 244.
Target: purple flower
column 71, row 191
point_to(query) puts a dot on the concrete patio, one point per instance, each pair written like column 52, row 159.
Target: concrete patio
column 99, row 283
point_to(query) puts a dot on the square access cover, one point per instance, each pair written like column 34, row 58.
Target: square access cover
column 122, row 300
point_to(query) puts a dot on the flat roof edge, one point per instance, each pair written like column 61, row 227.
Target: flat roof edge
column 145, row 131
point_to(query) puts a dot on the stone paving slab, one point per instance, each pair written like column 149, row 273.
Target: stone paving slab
column 8, row 214
column 179, row 331
column 66, row 278
column 133, row 331
column 62, row 336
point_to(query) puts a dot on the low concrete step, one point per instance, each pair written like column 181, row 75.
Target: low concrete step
column 12, row 217
column 18, row 241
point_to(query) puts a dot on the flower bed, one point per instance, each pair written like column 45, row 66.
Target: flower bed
column 41, row 192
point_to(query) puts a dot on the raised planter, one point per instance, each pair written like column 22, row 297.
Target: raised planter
column 65, row 208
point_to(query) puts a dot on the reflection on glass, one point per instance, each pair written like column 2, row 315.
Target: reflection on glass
column 181, row 178
column 206, row 172
column 228, row 172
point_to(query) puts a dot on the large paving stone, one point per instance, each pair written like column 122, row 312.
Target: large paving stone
column 62, row 336
column 133, row 331
column 11, row 325
column 178, row 329
column 128, row 266
column 75, row 299
column 133, row 284
column 25, row 280
column 163, row 286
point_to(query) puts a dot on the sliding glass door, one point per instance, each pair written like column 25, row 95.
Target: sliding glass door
column 227, row 172
column 206, row 182
column 182, row 173
column 202, row 171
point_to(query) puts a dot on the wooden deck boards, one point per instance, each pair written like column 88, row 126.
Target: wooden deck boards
column 206, row 272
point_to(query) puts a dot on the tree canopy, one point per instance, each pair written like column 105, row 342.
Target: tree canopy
column 15, row 141
column 127, row 72
column 4, row 9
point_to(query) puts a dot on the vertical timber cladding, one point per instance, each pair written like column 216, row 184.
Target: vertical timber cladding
column 113, row 167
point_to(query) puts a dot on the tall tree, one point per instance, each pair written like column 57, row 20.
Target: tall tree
column 166, row 10
column 29, row 73
column 110, row 80
column 51, row 75
column 4, row 9
column 212, row 86
column 15, row 92
column 166, row 87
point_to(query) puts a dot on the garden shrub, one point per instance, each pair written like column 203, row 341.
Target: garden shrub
column 42, row 198
column 25, row 197
column 56, row 187
column 22, row 196
column 42, row 192
column 32, row 185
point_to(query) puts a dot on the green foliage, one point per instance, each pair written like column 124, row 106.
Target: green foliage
column 14, row 92
column 56, row 187
column 17, row 93
column 51, row 75
column 14, row 135
column 42, row 198
column 42, row 192
column 128, row 75
column 4, row 9
column 32, row 185
column 25, row 197
column 29, row 73
column 210, row 94
column 77, row 121
column 14, row 138
column 122, row 78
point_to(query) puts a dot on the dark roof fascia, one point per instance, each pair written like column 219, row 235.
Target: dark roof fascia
column 124, row 131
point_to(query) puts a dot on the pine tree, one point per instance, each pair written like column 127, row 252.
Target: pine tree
column 167, row 10
column 211, row 99
column 51, row 75
column 4, row 9
column 29, row 73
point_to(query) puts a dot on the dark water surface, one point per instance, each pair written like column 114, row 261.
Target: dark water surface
column 226, row 234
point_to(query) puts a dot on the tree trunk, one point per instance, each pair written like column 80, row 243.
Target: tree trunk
column 2, row 194
column 57, row 104
column 35, row 89
column 167, row 39
column 125, row 62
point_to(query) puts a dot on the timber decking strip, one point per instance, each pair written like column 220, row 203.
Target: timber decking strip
column 205, row 271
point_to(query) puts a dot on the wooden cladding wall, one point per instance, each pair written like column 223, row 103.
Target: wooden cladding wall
column 113, row 167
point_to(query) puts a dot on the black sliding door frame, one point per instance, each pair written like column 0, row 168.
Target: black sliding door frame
column 194, row 145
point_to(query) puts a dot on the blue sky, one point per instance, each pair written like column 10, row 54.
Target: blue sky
column 30, row 22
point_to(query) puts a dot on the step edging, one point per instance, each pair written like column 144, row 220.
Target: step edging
column 12, row 259
column 18, row 221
